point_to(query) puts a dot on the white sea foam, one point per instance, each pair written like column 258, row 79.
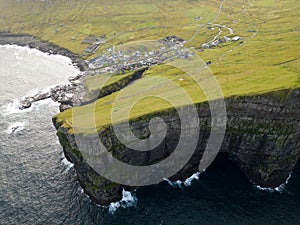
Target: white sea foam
column 175, row 184
column 128, row 200
column 68, row 165
column 15, row 127
column 26, row 51
column 13, row 108
column 28, row 78
column 46, row 71
column 81, row 190
column 41, row 103
column 189, row 180
column 186, row 183
column 279, row 189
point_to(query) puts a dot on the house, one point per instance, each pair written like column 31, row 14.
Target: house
column 93, row 40
column 236, row 38
column 197, row 18
column 92, row 48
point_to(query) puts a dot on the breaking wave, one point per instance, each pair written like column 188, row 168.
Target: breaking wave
column 68, row 165
column 188, row 182
column 15, row 127
column 279, row 189
column 128, row 200
column 13, row 108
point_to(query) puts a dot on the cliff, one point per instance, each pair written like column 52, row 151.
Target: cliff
column 262, row 129
column 262, row 137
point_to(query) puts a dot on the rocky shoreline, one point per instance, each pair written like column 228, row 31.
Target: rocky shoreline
column 30, row 41
column 68, row 95
column 73, row 94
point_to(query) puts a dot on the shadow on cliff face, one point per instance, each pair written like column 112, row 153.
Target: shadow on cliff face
column 223, row 190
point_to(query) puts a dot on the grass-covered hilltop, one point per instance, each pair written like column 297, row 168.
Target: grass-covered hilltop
column 142, row 59
column 252, row 46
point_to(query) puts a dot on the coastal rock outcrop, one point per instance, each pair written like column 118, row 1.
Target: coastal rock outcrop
column 67, row 95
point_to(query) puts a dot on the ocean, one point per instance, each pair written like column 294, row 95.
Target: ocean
column 39, row 186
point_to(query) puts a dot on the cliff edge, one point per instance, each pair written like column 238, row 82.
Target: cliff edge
column 262, row 138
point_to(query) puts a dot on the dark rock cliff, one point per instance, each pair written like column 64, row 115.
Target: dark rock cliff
column 262, row 137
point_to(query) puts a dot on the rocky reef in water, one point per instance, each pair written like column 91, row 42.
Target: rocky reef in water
column 262, row 137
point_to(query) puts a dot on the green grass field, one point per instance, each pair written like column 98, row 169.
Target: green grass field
column 268, row 58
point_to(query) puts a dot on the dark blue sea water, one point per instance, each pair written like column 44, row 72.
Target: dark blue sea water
column 37, row 186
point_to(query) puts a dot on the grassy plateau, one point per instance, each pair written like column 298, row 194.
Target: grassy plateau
column 266, row 58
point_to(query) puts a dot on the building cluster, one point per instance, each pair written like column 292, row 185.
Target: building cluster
column 139, row 56
column 217, row 42
column 94, row 43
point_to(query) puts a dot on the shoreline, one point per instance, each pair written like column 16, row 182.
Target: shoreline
column 67, row 95
column 26, row 40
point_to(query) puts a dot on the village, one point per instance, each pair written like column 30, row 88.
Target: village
column 127, row 59
column 119, row 61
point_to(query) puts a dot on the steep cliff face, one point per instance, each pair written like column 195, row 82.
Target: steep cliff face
column 262, row 137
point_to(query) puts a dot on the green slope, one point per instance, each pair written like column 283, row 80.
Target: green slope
column 268, row 58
